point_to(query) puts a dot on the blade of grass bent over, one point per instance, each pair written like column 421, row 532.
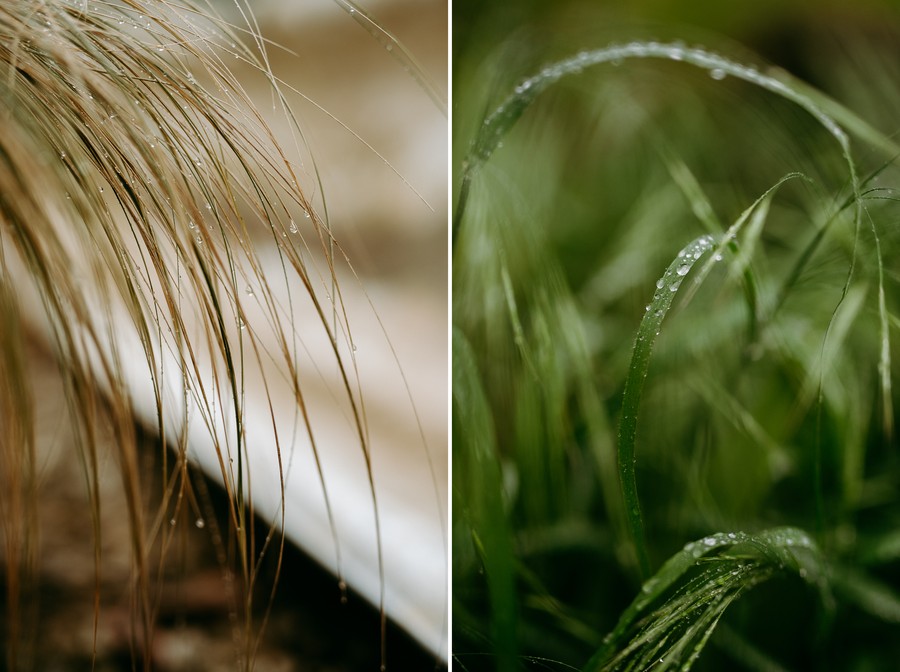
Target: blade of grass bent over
column 693, row 589
column 498, row 124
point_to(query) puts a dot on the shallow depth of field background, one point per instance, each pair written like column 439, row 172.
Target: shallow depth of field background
column 567, row 228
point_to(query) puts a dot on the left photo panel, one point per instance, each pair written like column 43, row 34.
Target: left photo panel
column 224, row 337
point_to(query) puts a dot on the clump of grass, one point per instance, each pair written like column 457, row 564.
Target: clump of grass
column 727, row 564
column 140, row 190
column 767, row 402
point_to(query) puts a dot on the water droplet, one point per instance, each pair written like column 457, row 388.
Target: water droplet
column 200, row 523
column 803, row 572
column 101, row 190
column 243, row 325
column 293, row 228
column 674, row 286
column 172, row 522
column 710, row 541
column 342, row 586
column 683, row 269
column 717, row 73
column 660, row 283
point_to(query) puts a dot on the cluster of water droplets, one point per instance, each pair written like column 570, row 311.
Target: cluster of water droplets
column 699, row 548
column 671, row 280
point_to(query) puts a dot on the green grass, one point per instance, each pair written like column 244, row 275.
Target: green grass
column 675, row 310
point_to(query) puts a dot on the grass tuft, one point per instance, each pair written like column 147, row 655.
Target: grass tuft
column 670, row 621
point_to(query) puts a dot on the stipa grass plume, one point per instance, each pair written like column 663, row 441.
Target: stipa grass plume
column 135, row 178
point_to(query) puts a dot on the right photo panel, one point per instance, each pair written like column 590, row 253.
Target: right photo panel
column 675, row 327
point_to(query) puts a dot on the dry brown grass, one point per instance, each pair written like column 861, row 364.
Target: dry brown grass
column 144, row 203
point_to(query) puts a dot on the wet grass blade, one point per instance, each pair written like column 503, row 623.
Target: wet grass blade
column 666, row 287
column 670, row 621
column 498, row 124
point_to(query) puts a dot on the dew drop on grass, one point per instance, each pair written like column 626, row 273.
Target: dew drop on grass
column 342, row 586
column 249, row 290
column 717, row 74
column 683, row 269
column 172, row 522
column 674, row 286
column 293, row 227
column 200, row 523
column 660, row 283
